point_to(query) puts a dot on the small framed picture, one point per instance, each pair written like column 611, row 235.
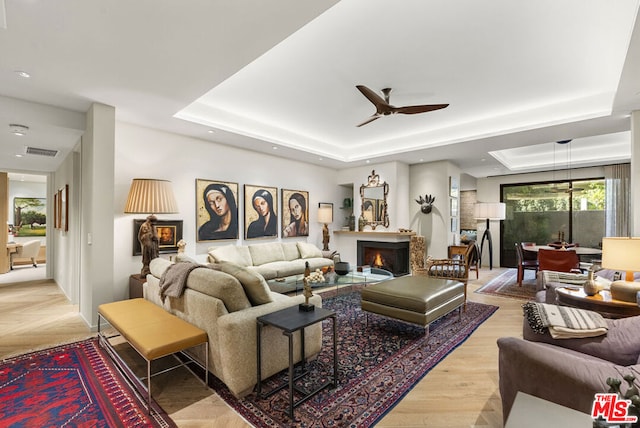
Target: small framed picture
column 453, row 202
column 454, row 187
column 169, row 233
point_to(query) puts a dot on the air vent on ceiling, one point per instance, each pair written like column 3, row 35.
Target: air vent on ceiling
column 41, row 152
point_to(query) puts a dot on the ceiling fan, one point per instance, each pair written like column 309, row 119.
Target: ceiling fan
column 383, row 108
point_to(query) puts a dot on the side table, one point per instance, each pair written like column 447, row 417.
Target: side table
column 135, row 286
column 290, row 320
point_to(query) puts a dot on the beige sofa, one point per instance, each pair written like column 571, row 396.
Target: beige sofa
column 221, row 304
column 274, row 259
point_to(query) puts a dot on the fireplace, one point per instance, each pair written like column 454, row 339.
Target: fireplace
column 391, row 256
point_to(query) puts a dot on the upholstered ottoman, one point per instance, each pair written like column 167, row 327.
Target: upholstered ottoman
column 414, row 299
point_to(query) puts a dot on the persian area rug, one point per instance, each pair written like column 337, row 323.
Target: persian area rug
column 380, row 360
column 506, row 285
column 74, row 385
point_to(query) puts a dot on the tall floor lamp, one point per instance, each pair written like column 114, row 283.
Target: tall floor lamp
column 150, row 196
column 489, row 211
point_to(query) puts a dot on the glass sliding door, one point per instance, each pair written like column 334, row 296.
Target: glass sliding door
column 549, row 212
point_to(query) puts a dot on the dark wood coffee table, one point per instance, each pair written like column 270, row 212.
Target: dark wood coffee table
column 601, row 302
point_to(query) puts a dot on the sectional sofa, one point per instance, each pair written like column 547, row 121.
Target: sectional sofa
column 274, row 259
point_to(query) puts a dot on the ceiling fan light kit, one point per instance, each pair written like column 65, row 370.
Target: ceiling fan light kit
column 383, row 108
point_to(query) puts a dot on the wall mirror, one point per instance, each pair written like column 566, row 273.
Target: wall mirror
column 374, row 201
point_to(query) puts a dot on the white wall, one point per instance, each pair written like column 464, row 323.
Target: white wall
column 64, row 255
column 396, row 175
column 96, row 223
column 147, row 153
column 433, row 179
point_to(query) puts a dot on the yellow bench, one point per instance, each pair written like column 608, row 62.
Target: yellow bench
column 151, row 331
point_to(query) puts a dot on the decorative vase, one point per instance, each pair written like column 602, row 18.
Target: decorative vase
column 361, row 223
column 352, row 222
column 342, row 268
column 591, row 287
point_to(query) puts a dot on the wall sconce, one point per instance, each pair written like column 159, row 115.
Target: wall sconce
column 325, row 215
column 149, row 196
column 426, row 203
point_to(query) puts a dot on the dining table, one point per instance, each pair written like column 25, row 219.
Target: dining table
column 590, row 255
column 580, row 251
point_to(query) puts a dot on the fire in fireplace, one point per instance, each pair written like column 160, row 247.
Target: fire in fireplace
column 391, row 256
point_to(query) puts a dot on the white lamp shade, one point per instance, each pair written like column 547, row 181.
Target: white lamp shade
column 325, row 214
column 150, row 196
column 621, row 254
column 490, row 210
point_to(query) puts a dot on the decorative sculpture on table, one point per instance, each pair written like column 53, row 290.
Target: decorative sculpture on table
column 306, row 306
column 181, row 244
column 426, row 203
column 149, row 243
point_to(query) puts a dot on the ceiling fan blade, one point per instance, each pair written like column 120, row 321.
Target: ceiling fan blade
column 371, row 119
column 419, row 109
column 376, row 99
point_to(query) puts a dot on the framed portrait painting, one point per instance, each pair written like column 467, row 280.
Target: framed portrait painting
column 169, row 233
column 216, row 210
column 295, row 213
column 260, row 211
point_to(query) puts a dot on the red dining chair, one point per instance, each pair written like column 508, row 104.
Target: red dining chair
column 558, row 260
column 524, row 263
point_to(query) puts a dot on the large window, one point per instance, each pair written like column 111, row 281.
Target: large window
column 548, row 212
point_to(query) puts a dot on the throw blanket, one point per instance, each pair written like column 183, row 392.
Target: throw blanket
column 564, row 322
column 174, row 279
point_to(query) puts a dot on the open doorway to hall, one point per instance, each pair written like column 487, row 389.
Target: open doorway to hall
column 27, row 227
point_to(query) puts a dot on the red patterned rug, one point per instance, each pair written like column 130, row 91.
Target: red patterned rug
column 74, row 385
column 506, row 285
column 379, row 363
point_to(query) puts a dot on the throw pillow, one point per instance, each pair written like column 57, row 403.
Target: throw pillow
column 182, row 257
column 253, row 283
column 238, row 254
column 158, row 265
column 308, row 251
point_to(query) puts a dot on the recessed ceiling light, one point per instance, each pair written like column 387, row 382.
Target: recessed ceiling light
column 320, row 159
column 421, row 160
column 18, row 156
column 18, row 130
column 367, row 161
column 274, row 148
column 23, row 74
column 211, row 131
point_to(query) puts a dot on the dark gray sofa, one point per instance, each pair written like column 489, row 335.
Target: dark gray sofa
column 567, row 371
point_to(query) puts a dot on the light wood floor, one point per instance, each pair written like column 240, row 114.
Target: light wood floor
column 461, row 391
